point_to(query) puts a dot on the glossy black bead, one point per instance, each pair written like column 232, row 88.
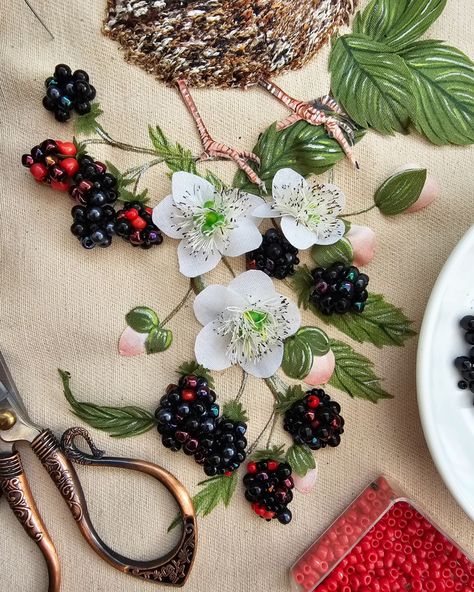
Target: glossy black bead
column 80, row 75
column 285, row 516
column 62, row 72
column 62, row 115
column 49, row 103
column 467, row 323
column 83, row 108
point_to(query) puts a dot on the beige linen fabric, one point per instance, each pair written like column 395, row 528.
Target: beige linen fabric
column 64, row 307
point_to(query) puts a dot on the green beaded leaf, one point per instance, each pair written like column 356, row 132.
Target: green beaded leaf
column 381, row 323
column 354, row 374
column 119, row 422
column 371, row 82
column 443, row 89
column 300, row 458
column 142, row 319
column 297, row 358
column 286, row 399
column 174, row 155
column 215, row 491
column 302, row 147
column 326, row 255
column 397, row 23
column 235, row 411
column 272, row 453
column 400, row 191
column 158, row 340
column 198, row 370
column 88, row 124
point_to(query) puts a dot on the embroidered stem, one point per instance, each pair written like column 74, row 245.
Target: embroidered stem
column 178, row 307
column 275, row 421
column 275, row 223
column 106, row 139
column 243, row 384
column 360, row 211
column 259, row 437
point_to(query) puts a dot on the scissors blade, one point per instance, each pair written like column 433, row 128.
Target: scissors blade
column 9, row 393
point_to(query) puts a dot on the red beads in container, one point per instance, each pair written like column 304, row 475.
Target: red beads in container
column 382, row 543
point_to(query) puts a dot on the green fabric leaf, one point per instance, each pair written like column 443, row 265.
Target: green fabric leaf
column 120, row 422
column 381, row 323
column 87, row 124
column 234, row 411
column 354, row 374
column 218, row 183
column 300, row 459
column 372, row 83
column 302, row 283
column 400, row 191
column 315, row 338
column 175, row 156
column 378, row 18
column 303, row 147
column 326, row 255
column 284, row 400
column 443, row 89
column 297, row 358
column 273, row 453
column 215, row 491
column 142, row 319
column 198, row 370
column 80, row 147
column 159, row 340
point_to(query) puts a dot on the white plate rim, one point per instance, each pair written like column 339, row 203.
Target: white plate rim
column 422, row 362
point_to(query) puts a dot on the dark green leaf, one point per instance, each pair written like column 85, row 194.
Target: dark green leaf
column 234, row 411
column 120, row 422
column 159, row 340
column 297, row 358
column 326, row 255
column 142, row 319
column 305, row 148
column 373, row 84
column 443, row 88
column 302, row 283
column 400, row 191
column 300, row 459
column 80, row 147
column 87, row 124
column 175, row 156
column 218, row 183
column 198, row 370
column 381, row 323
column 379, row 18
column 273, row 453
column 354, row 374
column 214, row 491
column 315, row 338
column 127, row 196
column 284, row 400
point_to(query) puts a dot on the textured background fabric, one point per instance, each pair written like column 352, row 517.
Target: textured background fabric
column 64, row 307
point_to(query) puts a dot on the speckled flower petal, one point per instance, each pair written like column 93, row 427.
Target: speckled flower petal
column 214, row 299
column 194, row 263
column 243, row 238
column 329, row 231
column 132, row 343
column 293, row 316
column 287, row 180
column 329, row 199
column 297, row 233
column 190, row 190
column 210, row 348
column 253, row 285
column 167, row 217
column 267, row 365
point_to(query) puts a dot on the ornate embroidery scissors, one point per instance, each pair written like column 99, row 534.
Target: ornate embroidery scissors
column 16, row 426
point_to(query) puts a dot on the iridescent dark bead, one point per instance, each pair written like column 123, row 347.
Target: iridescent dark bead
column 27, row 160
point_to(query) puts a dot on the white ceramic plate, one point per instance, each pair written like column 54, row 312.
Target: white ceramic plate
column 447, row 413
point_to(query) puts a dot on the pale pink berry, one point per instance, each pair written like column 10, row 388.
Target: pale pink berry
column 132, row 343
column 321, row 370
column 364, row 243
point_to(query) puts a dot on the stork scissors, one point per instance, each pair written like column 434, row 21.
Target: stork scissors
column 57, row 458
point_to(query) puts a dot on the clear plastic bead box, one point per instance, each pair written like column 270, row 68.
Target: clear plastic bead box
column 383, row 542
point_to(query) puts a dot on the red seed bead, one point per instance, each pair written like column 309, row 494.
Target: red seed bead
column 188, row 395
column 131, row 214
column 312, row 401
column 39, row 171
column 70, row 165
column 272, row 465
column 251, row 467
column 138, row 223
column 60, row 185
column 66, row 148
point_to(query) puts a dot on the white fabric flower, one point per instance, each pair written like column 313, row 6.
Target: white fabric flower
column 244, row 323
column 210, row 223
column 308, row 212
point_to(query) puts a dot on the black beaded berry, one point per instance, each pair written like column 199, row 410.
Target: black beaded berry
column 465, row 364
column 339, row 289
column 135, row 225
column 315, row 420
column 187, row 415
column 93, row 225
column 53, row 163
column 268, row 484
column 93, row 185
column 227, row 451
column 67, row 90
column 276, row 256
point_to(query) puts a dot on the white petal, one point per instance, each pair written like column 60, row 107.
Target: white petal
column 195, row 263
column 267, row 365
column 210, row 348
column 166, row 216
column 297, row 234
column 209, row 303
column 253, row 285
column 265, row 211
column 330, row 198
column 243, row 238
column 190, row 190
column 288, row 179
column 329, row 233
column 293, row 316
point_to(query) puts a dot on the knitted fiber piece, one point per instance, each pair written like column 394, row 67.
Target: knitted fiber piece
column 223, row 43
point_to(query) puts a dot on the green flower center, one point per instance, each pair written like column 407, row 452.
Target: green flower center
column 256, row 319
column 210, row 218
